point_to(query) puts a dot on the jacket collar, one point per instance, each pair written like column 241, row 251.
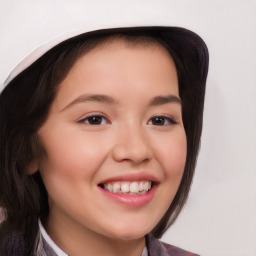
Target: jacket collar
column 155, row 247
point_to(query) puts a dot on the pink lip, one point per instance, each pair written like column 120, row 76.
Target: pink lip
column 131, row 177
column 130, row 200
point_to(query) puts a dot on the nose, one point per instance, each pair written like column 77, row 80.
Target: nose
column 132, row 145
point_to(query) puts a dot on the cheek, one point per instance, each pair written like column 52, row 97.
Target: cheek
column 70, row 165
column 70, row 152
column 172, row 154
column 70, row 161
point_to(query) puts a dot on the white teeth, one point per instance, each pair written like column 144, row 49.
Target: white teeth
column 116, row 187
column 126, row 187
column 134, row 187
column 109, row 187
column 147, row 185
column 141, row 186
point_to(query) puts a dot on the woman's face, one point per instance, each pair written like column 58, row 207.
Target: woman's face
column 115, row 143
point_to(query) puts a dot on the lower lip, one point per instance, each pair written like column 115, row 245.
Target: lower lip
column 130, row 200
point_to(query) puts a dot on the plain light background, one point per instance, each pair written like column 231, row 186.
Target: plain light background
column 219, row 218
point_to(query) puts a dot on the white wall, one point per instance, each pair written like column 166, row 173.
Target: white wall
column 220, row 216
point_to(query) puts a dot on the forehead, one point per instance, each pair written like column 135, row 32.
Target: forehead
column 122, row 70
column 118, row 47
column 126, row 54
column 77, row 49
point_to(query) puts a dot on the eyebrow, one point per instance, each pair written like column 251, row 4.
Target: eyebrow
column 156, row 101
column 92, row 98
column 161, row 100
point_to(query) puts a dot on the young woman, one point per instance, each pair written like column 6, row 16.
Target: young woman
column 99, row 139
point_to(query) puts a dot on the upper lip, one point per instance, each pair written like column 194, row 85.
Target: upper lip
column 131, row 177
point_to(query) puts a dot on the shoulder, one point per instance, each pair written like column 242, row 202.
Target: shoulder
column 158, row 248
column 176, row 251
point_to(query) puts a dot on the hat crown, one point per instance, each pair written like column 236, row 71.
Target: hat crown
column 30, row 28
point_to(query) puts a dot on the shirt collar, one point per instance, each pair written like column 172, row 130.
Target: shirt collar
column 49, row 241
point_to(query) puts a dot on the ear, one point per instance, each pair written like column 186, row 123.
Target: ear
column 32, row 167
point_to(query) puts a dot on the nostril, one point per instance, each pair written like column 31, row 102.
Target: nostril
column 133, row 154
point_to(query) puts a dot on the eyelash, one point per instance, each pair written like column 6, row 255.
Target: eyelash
column 87, row 120
column 167, row 120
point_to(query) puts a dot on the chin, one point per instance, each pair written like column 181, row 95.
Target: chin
column 130, row 233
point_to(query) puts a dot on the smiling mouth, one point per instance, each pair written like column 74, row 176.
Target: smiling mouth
column 128, row 187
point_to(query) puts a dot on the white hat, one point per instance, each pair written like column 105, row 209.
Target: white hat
column 29, row 28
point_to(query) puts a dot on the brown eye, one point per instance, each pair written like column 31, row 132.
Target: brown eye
column 94, row 120
column 161, row 120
